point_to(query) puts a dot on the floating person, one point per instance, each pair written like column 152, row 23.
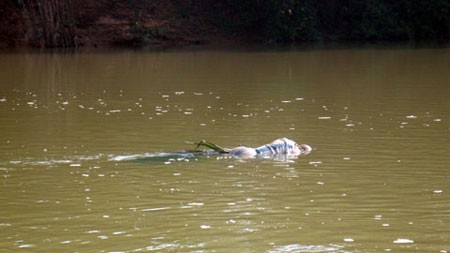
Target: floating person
column 282, row 147
column 279, row 149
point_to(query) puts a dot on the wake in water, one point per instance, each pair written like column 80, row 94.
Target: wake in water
column 164, row 156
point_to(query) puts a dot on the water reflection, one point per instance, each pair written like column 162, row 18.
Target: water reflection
column 306, row 248
column 87, row 139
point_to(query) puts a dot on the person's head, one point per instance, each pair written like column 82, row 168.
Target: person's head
column 304, row 148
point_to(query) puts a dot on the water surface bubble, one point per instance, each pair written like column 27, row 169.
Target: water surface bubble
column 195, row 204
column 403, row 241
column 230, row 221
column 155, row 209
column 162, row 246
column 26, row 246
column 306, row 248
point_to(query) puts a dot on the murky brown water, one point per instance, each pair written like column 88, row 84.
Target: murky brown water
column 79, row 132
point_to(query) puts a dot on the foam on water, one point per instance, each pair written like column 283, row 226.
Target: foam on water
column 80, row 160
column 297, row 248
column 130, row 157
column 154, row 156
column 73, row 161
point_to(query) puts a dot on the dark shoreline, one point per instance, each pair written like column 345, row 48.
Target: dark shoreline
column 240, row 47
column 175, row 23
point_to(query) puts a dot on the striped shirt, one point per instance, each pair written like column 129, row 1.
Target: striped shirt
column 282, row 146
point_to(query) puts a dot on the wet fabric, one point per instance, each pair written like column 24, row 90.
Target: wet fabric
column 282, row 146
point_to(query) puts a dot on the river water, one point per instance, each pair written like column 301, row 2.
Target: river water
column 84, row 139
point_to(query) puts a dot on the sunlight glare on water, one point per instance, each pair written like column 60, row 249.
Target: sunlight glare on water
column 93, row 152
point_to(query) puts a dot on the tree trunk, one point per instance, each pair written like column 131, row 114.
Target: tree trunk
column 50, row 23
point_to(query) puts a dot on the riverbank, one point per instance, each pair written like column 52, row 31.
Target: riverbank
column 106, row 24
column 86, row 23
